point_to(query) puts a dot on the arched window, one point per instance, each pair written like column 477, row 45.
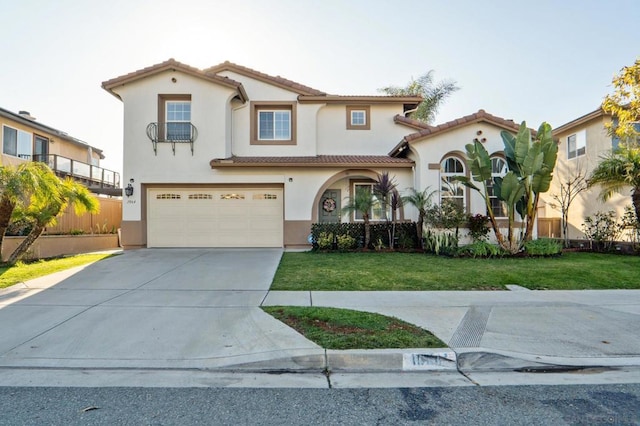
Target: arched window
column 498, row 169
column 449, row 188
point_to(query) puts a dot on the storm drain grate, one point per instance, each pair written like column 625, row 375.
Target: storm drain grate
column 469, row 332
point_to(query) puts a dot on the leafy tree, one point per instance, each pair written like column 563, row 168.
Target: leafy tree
column 17, row 184
column 624, row 104
column 618, row 171
column 433, row 95
column 448, row 215
column 363, row 202
column 45, row 208
column 531, row 163
column 421, row 200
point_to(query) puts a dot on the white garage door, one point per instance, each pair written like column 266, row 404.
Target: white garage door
column 220, row 217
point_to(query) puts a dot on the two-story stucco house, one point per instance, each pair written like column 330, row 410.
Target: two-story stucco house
column 582, row 144
column 231, row 157
column 23, row 138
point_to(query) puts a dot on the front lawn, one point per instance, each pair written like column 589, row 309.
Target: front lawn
column 10, row 275
column 334, row 328
column 416, row 271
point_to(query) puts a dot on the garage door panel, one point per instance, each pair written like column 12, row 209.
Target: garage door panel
column 221, row 217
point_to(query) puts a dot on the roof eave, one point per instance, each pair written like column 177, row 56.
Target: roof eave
column 580, row 120
column 336, row 99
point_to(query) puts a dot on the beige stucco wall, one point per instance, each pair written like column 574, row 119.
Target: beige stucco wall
column 598, row 143
column 335, row 139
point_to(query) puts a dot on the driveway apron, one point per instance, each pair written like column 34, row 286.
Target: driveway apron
column 149, row 308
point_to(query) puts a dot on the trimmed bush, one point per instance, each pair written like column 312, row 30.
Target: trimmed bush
column 543, row 247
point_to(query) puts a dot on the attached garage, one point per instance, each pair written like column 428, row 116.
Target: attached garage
column 215, row 217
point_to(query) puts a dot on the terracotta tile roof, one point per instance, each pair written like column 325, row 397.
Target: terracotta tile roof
column 418, row 125
column 480, row 116
column 171, row 64
column 277, row 80
column 315, row 161
column 363, row 99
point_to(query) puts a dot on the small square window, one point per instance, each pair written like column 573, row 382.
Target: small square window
column 358, row 117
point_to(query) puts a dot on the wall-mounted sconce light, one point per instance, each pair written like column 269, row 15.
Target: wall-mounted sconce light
column 128, row 191
column 290, row 179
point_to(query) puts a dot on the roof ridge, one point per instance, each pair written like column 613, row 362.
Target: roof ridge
column 281, row 81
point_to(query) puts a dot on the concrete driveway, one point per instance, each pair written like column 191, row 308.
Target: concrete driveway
column 149, row 308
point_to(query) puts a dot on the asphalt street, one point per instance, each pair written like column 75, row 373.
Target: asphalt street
column 504, row 405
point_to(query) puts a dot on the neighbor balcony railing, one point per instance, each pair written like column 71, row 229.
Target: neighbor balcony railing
column 88, row 173
column 173, row 133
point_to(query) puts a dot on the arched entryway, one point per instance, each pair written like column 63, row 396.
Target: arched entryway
column 329, row 199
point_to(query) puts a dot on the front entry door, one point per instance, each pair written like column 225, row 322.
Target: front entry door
column 329, row 208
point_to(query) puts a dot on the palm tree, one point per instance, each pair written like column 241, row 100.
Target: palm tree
column 43, row 211
column 617, row 171
column 17, row 184
column 421, row 200
column 432, row 93
column 363, row 202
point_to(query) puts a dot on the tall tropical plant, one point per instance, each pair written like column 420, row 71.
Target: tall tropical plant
column 421, row 200
column 362, row 202
column 618, row 171
column 384, row 189
column 531, row 163
column 42, row 211
column 17, row 184
column 433, row 95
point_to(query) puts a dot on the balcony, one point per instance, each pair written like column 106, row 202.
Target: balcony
column 97, row 179
column 173, row 133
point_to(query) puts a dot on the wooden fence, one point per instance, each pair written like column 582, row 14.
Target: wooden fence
column 105, row 222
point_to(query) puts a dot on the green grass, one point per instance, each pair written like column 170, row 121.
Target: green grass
column 10, row 275
column 415, row 271
column 334, row 328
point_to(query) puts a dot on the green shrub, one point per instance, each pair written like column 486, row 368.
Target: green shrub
column 481, row 249
column 601, row 230
column 325, row 241
column 543, row 247
column 478, row 227
column 346, row 242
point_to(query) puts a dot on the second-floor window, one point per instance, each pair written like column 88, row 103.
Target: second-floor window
column 358, row 117
column 178, row 120
column 274, row 125
column 577, row 144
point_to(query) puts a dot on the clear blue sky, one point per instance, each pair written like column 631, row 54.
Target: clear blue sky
column 543, row 60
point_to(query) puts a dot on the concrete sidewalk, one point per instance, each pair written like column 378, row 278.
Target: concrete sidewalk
column 172, row 315
column 489, row 330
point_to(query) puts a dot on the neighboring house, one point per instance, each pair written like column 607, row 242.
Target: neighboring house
column 582, row 144
column 232, row 157
column 25, row 139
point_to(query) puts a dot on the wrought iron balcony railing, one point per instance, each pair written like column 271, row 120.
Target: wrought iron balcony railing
column 173, row 133
column 92, row 176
